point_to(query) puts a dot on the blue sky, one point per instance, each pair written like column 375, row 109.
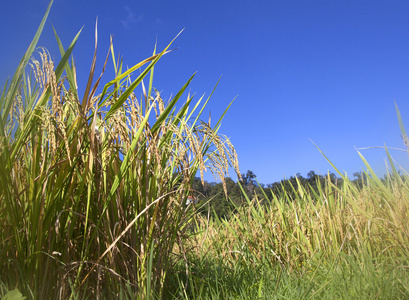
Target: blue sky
column 328, row 71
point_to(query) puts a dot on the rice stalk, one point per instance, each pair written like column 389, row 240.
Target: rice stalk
column 92, row 189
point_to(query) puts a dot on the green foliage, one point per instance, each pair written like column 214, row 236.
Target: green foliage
column 13, row 295
column 350, row 277
column 341, row 239
column 214, row 202
column 92, row 189
column 93, row 193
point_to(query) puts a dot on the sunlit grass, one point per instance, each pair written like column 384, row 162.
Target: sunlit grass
column 93, row 186
column 341, row 242
column 93, row 190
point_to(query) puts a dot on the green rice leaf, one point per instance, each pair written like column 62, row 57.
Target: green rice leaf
column 402, row 127
column 15, row 82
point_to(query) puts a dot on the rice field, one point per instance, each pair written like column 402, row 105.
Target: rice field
column 93, row 191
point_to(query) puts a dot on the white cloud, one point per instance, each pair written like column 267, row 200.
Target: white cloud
column 130, row 18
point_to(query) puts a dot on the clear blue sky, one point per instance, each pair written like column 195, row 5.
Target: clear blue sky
column 328, row 71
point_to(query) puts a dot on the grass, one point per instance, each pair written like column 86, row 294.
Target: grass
column 92, row 187
column 92, row 193
column 342, row 242
column 347, row 281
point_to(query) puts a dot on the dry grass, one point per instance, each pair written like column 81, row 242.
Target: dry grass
column 336, row 220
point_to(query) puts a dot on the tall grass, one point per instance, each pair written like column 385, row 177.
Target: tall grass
column 92, row 193
column 340, row 242
column 92, row 186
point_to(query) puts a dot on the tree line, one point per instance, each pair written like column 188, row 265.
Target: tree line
column 211, row 199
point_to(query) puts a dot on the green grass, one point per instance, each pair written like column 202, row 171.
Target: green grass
column 348, row 278
column 338, row 243
column 92, row 187
column 92, row 193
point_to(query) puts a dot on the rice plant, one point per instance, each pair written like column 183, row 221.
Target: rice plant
column 93, row 189
column 93, row 186
column 341, row 241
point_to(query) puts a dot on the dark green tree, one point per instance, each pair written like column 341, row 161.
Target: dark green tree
column 249, row 181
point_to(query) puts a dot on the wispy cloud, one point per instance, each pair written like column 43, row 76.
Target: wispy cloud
column 130, row 17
